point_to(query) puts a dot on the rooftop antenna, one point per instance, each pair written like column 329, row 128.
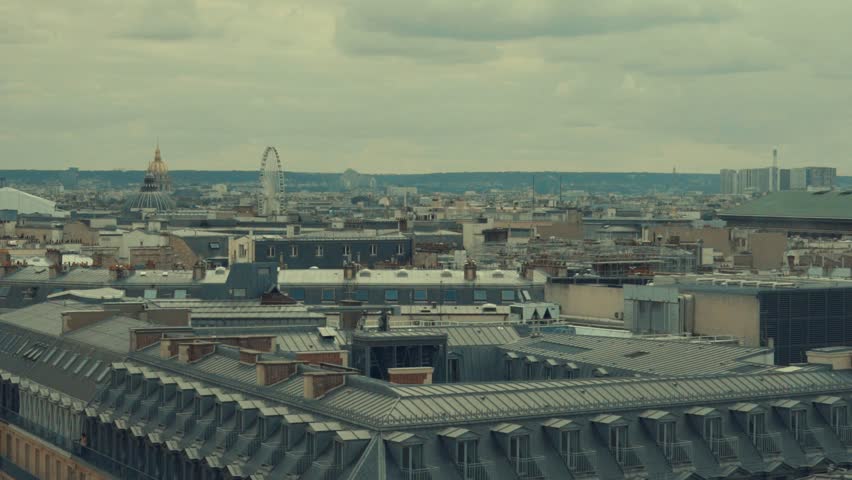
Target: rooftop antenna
column 532, row 211
column 774, row 158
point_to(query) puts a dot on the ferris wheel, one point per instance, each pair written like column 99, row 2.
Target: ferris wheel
column 270, row 199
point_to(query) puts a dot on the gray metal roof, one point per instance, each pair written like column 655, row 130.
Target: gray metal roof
column 45, row 317
column 111, row 334
column 652, row 357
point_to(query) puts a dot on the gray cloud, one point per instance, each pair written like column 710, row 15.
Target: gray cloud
column 510, row 19
column 423, row 86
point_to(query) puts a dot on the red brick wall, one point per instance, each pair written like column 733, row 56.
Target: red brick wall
column 335, row 358
column 408, row 378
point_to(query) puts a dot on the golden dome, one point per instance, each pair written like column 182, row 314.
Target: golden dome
column 158, row 167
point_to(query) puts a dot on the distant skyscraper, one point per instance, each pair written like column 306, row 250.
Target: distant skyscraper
column 812, row 177
column 728, row 181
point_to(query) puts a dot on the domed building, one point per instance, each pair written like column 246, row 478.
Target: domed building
column 156, row 187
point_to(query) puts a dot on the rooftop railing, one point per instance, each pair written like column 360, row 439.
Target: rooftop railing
column 14, row 471
column 473, row 471
column 526, row 468
column 725, row 448
column 844, row 433
column 678, row 453
column 422, row 473
column 628, row 458
column 111, row 465
column 767, row 444
column 580, row 463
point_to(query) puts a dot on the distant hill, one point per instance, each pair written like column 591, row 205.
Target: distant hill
column 545, row 182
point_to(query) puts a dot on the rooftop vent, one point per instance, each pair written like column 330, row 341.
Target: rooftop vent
column 402, row 274
column 636, row 354
column 446, row 274
column 220, row 270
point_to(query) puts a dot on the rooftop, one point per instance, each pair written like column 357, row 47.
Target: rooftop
column 832, row 205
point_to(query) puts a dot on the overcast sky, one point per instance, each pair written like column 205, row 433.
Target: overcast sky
column 427, row 85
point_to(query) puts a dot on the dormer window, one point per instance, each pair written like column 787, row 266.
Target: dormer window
column 839, row 417
column 412, row 458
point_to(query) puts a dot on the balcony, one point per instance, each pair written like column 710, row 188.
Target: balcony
column 725, row 448
column 580, row 463
column 844, row 433
column 767, row 444
column 330, row 470
column 423, row 473
column 628, row 458
column 526, row 468
column 809, row 439
column 678, row 453
column 473, row 471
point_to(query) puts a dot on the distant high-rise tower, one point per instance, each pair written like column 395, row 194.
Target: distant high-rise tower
column 270, row 198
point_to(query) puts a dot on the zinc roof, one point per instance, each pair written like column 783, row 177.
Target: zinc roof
column 796, row 204
column 654, row 357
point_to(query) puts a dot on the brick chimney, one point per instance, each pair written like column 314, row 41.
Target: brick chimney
column 411, row 375
column 249, row 357
column 54, row 258
column 470, row 271
column 340, row 357
column 199, row 271
column 318, row 384
column 273, row 371
column 193, row 352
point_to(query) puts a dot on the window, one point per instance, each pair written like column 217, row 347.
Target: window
column 530, row 370
column 180, row 294
column 712, row 428
column 400, row 249
column 327, row 294
column 839, row 417
column 213, row 246
column 391, row 295
column 270, row 252
column 320, row 251
column 666, row 437
column 297, row 293
column 361, row 295
column 756, row 425
column 264, row 271
column 480, row 296
column 150, row 293
column 507, row 295
column 508, row 368
column 412, row 457
column 519, row 450
column 450, row 295
column 569, row 443
column 294, row 250
column 467, row 456
column 454, row 370
column 311, row 444
column 420, row 295
column 242, row 251
column 798, row 423
column 338, row 453
column 374, row 249
column 618, row 442
column 347, row 250
column 547, row 372
column 238, row 292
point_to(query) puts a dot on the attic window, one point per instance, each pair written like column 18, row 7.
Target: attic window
column 636, row 354
column 213, row 245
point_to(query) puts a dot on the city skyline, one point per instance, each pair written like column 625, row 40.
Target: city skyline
column 379, row 86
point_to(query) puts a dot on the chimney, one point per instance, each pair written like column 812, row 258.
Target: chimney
column 52, row 271
column 274, row 371
column 340, row 357
column 5, row 258
column 249, row 357
column 470, row 270
column 54, row 258
column 199, row 271
column 349, row 271
column 411, row 375
column 318, row 384
column 192, row 352
column 349, row 319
